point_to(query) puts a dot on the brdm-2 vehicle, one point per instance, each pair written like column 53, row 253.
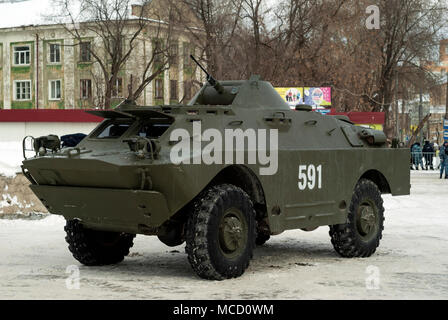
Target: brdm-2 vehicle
column 150, row 171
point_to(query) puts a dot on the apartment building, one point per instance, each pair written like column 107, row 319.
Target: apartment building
column 44, row 67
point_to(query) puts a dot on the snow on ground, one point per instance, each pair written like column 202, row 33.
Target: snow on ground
column 411, row 262
column 11, row 157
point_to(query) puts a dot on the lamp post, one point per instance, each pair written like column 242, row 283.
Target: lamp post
column 446, row 96
column 445, row 121
column 420, row 115
column 397, row 125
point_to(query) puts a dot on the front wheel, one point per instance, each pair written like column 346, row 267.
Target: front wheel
column 361, row 234
column 95, row 248
column 221, row 232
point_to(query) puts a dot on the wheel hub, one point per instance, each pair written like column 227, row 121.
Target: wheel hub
column 231, row 233
column 367, row 218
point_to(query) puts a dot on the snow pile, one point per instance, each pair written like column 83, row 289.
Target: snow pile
column 10, row 158
column 17, row 200
column 8, row 201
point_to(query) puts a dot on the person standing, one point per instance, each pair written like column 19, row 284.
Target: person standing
column 417, row 155
column 412, row 157
column 428, row 154
column 444, row 159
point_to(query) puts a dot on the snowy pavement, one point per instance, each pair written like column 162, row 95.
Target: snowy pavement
column 411, row 263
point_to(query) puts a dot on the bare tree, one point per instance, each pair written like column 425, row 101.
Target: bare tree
column 327, row 43
column 116, row 34
column 212, row 26
column 407, row 38
column 299, row 42
column 253, row 12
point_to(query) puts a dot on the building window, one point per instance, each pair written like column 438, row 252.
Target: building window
column 84, row 52
column 187, row 52
column 173, row 89
column 158, row 51
column 159, row 88
column 174, row 51
column 55, row 89
column 117, row 89
column 55, row 53
column 22, row 55
column 86, row 88
column 187, row 90
column 22, row 90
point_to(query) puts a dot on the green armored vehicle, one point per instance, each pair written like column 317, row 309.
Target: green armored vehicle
column 223, row 173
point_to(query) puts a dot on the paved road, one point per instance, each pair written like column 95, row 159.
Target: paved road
column 411, row 263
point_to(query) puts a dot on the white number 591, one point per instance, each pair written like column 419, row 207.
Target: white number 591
column 310, row 176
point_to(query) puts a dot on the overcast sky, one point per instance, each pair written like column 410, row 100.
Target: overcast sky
column 22, row 13
column 27, row 12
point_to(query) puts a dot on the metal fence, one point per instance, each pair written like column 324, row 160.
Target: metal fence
column 425, row 160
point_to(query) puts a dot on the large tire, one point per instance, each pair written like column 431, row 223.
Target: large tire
column 221, row 232
column 361, row 235
column 96, row 248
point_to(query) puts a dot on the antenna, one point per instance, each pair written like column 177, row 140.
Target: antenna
column 212, row 81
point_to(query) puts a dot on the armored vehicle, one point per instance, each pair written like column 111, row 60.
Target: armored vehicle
column 194, row 173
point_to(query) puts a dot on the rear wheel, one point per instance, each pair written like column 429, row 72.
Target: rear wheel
column 361, row 235
column 93, row 247
column 221, row 232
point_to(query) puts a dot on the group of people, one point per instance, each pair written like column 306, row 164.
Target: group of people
column 291, row 97
column 418, row 154
column 428, row 153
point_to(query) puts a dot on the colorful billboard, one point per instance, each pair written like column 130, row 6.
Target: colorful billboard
column 293, row 96
column 318, row 98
